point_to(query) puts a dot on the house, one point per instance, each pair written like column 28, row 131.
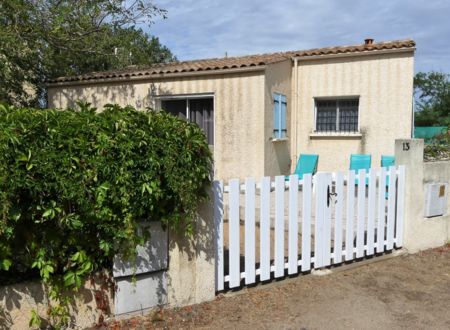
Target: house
column 261, row 111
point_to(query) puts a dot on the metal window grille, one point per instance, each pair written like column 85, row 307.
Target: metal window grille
column 337, row 115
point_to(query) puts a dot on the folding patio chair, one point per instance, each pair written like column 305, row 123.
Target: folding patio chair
column 307, row 163
column 360, row 162
column 387, row 161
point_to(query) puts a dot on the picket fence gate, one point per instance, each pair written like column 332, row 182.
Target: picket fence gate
column 315, row 217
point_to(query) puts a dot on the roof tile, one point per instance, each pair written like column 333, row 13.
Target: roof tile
column 217, row 64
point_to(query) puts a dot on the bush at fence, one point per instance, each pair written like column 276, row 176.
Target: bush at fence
column 74, row 184
column 439, row 148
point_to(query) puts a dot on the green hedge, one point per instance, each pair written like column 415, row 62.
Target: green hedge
column 74, row 184
column 438, row 148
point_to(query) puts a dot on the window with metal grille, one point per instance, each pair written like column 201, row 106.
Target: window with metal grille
column 339, row 115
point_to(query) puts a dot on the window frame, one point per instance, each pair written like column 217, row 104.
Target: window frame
column 187, row 97
column 337, row 99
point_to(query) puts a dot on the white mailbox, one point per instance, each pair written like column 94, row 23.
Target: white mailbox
column 436, row 196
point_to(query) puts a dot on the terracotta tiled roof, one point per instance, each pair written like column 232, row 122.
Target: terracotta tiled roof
column 242, row 62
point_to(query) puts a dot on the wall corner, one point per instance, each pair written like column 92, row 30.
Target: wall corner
column 191, row 271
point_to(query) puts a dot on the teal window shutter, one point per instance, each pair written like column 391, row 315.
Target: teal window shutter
column 283, row 105
column 276, row 116
column 279, row 116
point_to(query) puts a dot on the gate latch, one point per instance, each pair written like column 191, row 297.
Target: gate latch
column 329, row 194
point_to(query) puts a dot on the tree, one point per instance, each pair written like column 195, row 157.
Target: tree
column 432, row 93
column 43, row 39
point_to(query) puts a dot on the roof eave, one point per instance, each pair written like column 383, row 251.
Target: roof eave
column 158, row 76
column 354, row 54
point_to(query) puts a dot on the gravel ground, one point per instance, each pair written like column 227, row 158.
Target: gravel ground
column 405, row 292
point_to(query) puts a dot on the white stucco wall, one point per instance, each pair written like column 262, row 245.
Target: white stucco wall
column 244, row 109
column 384, row 84
column 421, row 233
column 238, row 114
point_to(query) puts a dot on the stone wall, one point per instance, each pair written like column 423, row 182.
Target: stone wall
column 171, row 269
column 93, row 302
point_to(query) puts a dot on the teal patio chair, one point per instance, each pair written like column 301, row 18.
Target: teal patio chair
column 360, row 162
column 307, row 163
column 387, row 161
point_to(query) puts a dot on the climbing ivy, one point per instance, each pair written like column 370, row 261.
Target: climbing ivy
column 74, row 186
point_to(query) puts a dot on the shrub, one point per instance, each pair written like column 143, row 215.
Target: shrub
column 439, row 148
column 75, row 184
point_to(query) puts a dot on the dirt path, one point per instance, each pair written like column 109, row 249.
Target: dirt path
column 407, row 292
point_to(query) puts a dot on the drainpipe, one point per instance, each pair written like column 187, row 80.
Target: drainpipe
column 413, row 117
column 295, row 100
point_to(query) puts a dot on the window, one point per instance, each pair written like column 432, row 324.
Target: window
column 196, row 110
column 279, row 116
column 338, row 115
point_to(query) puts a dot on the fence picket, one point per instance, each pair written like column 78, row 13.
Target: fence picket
column 326, row 252
column 350, row 214
column 371, row 211
column 306, row 222
column 391, row 208
column 265, row 230
column 381, row 210
column 338, row 215
column 361, row 213
column 234, row 232
column 319, row 183
column 400, row 206
column 249, row 231
column 293, row 224
column 279, row 226
column 218, row 225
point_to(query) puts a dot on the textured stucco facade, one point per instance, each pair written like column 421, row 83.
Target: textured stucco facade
column 384, row 85
column 276, row 153
column 238, row 115
column 421, row 233
column 243, row 108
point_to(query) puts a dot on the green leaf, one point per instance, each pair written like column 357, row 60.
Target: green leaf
column 69, row 279
column 22, row 158
column 35, row 320
column 47, row 213
column 5, row 264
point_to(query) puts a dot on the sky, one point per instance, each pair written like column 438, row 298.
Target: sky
column 196, row 29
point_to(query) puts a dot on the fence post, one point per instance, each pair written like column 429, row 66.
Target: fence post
column 191, row 271
column 409, row 152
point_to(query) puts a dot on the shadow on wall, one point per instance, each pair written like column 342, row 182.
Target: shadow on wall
column 18, row 300
column 283, row 157
column 191, row 273
column 141, row 282
column 114, row 93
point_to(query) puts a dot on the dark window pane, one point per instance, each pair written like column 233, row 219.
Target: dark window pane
column 175, row 107
column 201, row 112
column 348, row 115
column 326, row 116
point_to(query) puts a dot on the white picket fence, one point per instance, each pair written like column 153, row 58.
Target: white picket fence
column 306, row 224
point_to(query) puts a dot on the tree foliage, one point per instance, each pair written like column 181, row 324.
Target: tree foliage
column 43, row 39
column 432, row 92
column 74, row 186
